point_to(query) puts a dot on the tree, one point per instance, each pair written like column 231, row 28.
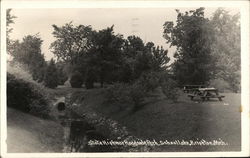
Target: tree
column 105, row 55
column 9, row 20
column 160, row 57
column 62, row 74
column 76, row 80
column 139, row 58
column 51, row 75
column 193, row 37
column 28, row 52
column 71, row 42
column 226, row 46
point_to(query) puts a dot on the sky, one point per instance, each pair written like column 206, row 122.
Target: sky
column 147, row 23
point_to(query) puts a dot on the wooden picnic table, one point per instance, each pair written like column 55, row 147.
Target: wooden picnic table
column 191, row 88
column 206, row 94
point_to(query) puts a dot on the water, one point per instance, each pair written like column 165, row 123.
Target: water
column 77, row 134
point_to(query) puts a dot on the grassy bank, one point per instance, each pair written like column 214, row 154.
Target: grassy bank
column 27, row 133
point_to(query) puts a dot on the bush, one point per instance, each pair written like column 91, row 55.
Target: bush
column 90, row 78
column 118, row 93
column 27, row 97
column 170, row 89
column 51, row 76
column 149, row 81
column 126, row 94
column 137, row 94
column 76, row 80
column 220, row 84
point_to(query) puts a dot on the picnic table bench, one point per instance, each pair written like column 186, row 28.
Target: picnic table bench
column 206, row 93
column 191, row 88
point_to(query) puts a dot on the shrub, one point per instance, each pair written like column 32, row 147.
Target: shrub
column 76, row 80
column 149, row 81
column 126, row 94
column 170, row 89
column 118, row 93
column 27, row 96
column 90, row 78
column 220, row 84
column 137, row 94
column 51, row 76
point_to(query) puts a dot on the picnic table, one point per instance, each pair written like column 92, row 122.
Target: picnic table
column 191, row 88
column 206, row 93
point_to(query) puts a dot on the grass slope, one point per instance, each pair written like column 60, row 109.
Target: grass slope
column 27, row 133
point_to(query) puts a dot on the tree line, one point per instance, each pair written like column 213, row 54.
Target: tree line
column 206, row 49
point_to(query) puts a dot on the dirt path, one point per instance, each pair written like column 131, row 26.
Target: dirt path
column 27, row 133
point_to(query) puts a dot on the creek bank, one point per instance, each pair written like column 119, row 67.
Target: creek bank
column 84, row 125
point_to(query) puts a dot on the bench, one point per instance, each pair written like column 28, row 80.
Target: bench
column 206, row 94
column 191, row 88
column 208, row 97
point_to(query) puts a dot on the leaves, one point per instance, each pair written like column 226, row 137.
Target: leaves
column 193, row 36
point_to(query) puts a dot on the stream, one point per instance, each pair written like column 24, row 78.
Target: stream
column 78, row 132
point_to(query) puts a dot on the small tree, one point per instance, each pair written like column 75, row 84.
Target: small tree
column 51, row 76
column 76, row 80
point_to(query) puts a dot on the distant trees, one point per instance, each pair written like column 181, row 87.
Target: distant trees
column 103, row 56
column 51, row 75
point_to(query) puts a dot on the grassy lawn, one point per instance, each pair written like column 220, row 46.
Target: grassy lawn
column 185, row 120
column 164, row 120
column 189, row 120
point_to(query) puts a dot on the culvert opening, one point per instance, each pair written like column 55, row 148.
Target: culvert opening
column 61, row 106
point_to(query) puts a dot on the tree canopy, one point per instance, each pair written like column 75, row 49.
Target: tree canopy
column 193, row 37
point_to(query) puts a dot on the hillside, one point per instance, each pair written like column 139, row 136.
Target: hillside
column 27, row 133
column 163, row 120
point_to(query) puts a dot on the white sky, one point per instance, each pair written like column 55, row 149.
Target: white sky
column 147, row 22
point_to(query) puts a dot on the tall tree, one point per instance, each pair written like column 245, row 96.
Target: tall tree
column 227, row 46
column 71, row 42
column 105, row 55
column 193, row 37
column 28, row 52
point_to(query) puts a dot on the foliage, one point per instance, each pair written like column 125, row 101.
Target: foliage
column 62, row 74
column 226, row 47
column 133, row 94
column 139, row 58
column 105, row 55
column 118, row 93
column 9, row 20
column 27, row 96
column 193, row 37
column 125, row 95
column 28, row 52
column 170, row 88
column 90, row 78
column 71, row 42
column 220, row 84
column 149, row 80
column 51, row 75
column 76, row 80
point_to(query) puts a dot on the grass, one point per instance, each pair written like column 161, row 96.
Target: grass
column 164, row 120
column 187, row 120
column 27, row 133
